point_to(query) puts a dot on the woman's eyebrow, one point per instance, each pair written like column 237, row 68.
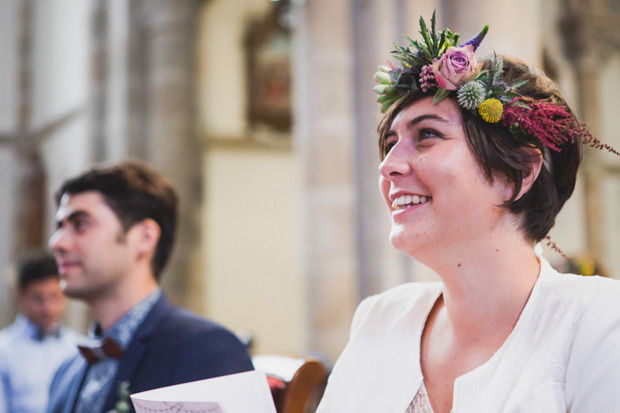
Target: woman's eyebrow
column 413, row 122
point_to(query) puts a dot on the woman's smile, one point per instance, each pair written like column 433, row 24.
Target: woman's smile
column 407, row 201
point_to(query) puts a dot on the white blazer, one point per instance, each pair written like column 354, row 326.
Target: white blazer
column 563, row 354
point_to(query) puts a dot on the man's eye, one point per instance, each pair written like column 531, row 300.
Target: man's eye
column 80, row 225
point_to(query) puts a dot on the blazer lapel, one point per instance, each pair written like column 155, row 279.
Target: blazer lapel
column 137, row 346
column 74, row 375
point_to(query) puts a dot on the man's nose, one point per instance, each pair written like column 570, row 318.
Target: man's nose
column 58, row 241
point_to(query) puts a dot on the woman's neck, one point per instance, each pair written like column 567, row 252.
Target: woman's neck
column 486, row 285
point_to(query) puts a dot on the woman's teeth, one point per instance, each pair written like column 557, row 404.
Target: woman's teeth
column 405, row 201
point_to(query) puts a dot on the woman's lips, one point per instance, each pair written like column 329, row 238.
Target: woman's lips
column 409, row 200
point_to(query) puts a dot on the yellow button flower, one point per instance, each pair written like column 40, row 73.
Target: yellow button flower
column 491, row 110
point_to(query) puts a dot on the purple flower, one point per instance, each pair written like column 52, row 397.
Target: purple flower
column 455, row 67
column 477, row 39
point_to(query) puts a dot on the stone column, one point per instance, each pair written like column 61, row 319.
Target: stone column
column 514, row 26
column 369, row 207
column 323, row 129
column 162, row 96
column 99, row 73
column 347, row 253
column 30, row 182
column 588, row 110
column 591, row 36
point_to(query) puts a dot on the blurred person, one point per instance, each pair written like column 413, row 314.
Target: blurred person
column 477, row 159
column 583, row 264
column 115, row 230
column 36, row 344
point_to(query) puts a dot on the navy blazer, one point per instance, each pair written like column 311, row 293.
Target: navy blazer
column 171, row 346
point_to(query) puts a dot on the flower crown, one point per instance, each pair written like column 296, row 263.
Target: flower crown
column 439, row 63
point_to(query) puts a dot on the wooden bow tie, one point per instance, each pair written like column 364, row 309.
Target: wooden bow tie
column 107, row 348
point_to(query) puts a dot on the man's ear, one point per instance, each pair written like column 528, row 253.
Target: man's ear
column 536, row 162
column 146, row 233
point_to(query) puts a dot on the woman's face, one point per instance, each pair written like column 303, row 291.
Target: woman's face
column 437, row 195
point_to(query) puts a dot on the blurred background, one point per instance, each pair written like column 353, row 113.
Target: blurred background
column 262, row 113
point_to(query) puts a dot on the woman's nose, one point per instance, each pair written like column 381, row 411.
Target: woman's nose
column 395, row 163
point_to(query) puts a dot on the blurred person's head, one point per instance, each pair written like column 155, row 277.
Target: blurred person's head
column 113, row 221
column 39, row 295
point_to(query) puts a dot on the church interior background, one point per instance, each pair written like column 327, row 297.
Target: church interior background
column 262, row 113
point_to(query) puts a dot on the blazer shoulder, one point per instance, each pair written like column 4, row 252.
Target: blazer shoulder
column 174, row 345
column 203, row 347
column 184, row 322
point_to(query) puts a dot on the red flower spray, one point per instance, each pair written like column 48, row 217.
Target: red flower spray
column 551, row 124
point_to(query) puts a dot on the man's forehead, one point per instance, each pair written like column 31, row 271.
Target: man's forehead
column 82, row 201
column 45, row 286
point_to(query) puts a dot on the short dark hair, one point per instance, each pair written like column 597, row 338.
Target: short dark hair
column 134, row 192
column 35, row 267
column 498, row 151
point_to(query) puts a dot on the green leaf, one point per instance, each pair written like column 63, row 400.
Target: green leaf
column 517, row 85
column 451, row 39
column 499, row 68
column 480, row 75
column 455, row 39
column 440, row 95
column 442, row 45
column 424, row 32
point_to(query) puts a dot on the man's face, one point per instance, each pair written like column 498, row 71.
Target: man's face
column 42, row 302
column 90, row 247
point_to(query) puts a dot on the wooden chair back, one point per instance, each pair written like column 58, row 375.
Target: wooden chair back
column 293, row 381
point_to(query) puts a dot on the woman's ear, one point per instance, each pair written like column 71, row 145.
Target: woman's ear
column 536, row 162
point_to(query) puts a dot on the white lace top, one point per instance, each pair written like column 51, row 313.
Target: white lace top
column 561, row 356
column 420, row 403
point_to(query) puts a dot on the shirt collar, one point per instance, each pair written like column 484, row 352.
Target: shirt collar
column 23, row 324
column 123, row 330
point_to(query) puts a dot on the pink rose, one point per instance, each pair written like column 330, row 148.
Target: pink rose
column 455, row 67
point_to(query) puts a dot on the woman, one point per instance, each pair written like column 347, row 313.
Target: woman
column 477, row 160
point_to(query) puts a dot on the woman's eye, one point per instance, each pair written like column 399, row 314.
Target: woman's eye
column 389, row 145
column 429, row 133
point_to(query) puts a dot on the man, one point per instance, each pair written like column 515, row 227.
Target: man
column 35, row 345
column 115, row 230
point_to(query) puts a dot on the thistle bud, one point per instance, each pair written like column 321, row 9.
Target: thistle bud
column 382, row 78
column 380, row 89
column 386, row 105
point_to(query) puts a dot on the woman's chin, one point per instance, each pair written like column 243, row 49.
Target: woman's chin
column 400, row 240
column 411, row 244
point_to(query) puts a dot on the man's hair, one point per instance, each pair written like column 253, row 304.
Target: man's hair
column 134, row 192
column 499, row 152
column 35, row 267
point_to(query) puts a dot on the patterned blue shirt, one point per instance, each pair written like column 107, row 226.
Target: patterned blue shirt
column 100, row 376
column 28, row 363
